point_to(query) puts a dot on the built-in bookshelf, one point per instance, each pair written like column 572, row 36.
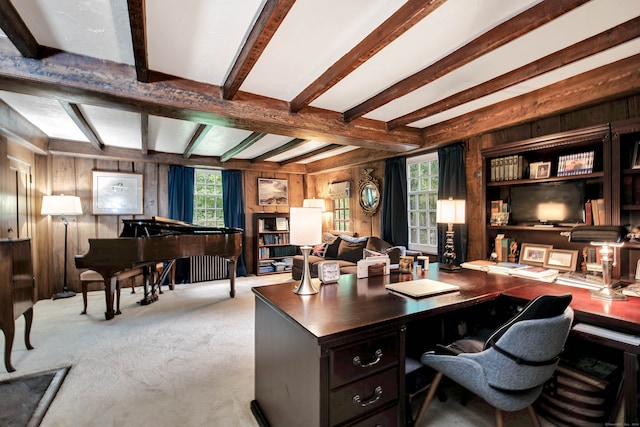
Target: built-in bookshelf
column 273, row 251
column 520, row 174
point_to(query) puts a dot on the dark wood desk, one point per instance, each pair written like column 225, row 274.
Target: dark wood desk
column 337, row 357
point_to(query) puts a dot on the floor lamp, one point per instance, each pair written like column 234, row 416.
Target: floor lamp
column 62, row 205
column 305, row 229
column 450, row 211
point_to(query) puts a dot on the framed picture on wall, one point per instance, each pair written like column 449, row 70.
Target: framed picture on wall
column 116, row 193
column 273, row 192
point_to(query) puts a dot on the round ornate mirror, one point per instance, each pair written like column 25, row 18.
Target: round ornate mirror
column 368, row 193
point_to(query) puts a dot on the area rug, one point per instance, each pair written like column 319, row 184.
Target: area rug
column 25, row 400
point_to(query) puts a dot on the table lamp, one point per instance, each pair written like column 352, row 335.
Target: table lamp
column 608, row 238
column 62, row 205
column 450, row 211
column 305, row 229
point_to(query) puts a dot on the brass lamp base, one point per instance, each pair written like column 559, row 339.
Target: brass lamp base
column 609, row 294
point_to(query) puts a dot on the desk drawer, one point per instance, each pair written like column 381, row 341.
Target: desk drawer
column 361, row 397
column 385, row 418
column 364, row 358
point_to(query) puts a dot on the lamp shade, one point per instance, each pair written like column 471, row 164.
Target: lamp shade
column 450, row 211
column 313, row 203
column 305, row 226
column 61, row 205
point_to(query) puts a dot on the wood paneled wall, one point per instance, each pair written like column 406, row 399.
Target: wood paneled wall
column 72, row 175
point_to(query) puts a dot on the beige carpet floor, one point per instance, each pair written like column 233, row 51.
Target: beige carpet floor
column 185, row 360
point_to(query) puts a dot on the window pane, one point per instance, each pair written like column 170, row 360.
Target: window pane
column 422, row 180
column 207, row 201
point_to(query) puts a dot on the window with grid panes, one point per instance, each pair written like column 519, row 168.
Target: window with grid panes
column 207, row 198
column 341, row 214
column 422, row 179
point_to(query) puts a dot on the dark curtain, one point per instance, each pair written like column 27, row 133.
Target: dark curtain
column 452, row 182
column 233, row 207
column 395, row 224
column 181, row 180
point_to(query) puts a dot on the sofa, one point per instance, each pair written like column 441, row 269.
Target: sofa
column 347, row 251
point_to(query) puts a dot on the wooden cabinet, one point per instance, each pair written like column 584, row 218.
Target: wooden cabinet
column 273, row 252
column 305, row 380
column 543, row 181
column 16, row 291
column 625, row 203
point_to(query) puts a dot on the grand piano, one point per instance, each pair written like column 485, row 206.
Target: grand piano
column 146, row 242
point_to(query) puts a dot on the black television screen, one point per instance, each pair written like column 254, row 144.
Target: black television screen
column 549, row 202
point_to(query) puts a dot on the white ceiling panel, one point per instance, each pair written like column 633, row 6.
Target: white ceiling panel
column 95, row 28
column 312, row 38
column 219, row 140
column 115, row 127
column 45, row 114
column 265, row 144
column 419, row 47
column 197, row 39
column 552, row 37
column 169, row 135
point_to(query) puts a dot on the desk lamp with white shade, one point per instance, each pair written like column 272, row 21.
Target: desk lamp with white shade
column 450, row 211
column 305, row 230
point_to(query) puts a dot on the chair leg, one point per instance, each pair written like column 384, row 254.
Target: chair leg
column 534, row 416
column 427, row 400
column 499, row 422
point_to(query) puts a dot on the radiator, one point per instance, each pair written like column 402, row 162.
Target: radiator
column 205, row 268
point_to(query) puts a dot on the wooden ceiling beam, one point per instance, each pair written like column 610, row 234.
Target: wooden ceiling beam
column 244, row 144
column 591, row 46
column 310, row 154
column 412, row 12
column 266, row 25
column 144, row 133
column 195, row 140
column 14, row 125
column 73, row 110
column 527, row 21
column 15, row 28
column 138, row 24
column 84, row 150
column 279, row 150
column 603, row 84
column 84, row 80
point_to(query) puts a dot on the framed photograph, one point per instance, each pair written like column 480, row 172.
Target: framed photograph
column 638, row 270
column 116, row 193
column 273, row 192
column 563, row 260
column 534, row 254
column 636, row 155
column 282, row 224
column 543, row 170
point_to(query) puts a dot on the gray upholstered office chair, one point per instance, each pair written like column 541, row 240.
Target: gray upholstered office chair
column 515, row 362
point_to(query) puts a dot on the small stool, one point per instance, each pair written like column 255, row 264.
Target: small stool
column 90, row 276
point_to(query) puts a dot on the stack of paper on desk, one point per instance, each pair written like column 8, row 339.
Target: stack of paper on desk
column 535, row 272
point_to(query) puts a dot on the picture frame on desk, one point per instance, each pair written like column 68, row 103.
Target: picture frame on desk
column 531, row 254
column 638, row 270
column 560, row 259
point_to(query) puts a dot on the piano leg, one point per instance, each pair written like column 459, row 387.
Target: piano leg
column 109, row 292
column 232, row 277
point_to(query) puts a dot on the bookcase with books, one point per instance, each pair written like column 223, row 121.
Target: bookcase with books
column 538, row 188
column 625, row 136
column 273, row 252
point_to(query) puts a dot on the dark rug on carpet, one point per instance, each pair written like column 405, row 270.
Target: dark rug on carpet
column 25, row 400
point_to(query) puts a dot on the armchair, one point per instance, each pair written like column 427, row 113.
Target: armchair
column 515, row 362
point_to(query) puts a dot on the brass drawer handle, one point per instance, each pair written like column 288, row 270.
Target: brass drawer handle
column 377, row 393
column 358, row 362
